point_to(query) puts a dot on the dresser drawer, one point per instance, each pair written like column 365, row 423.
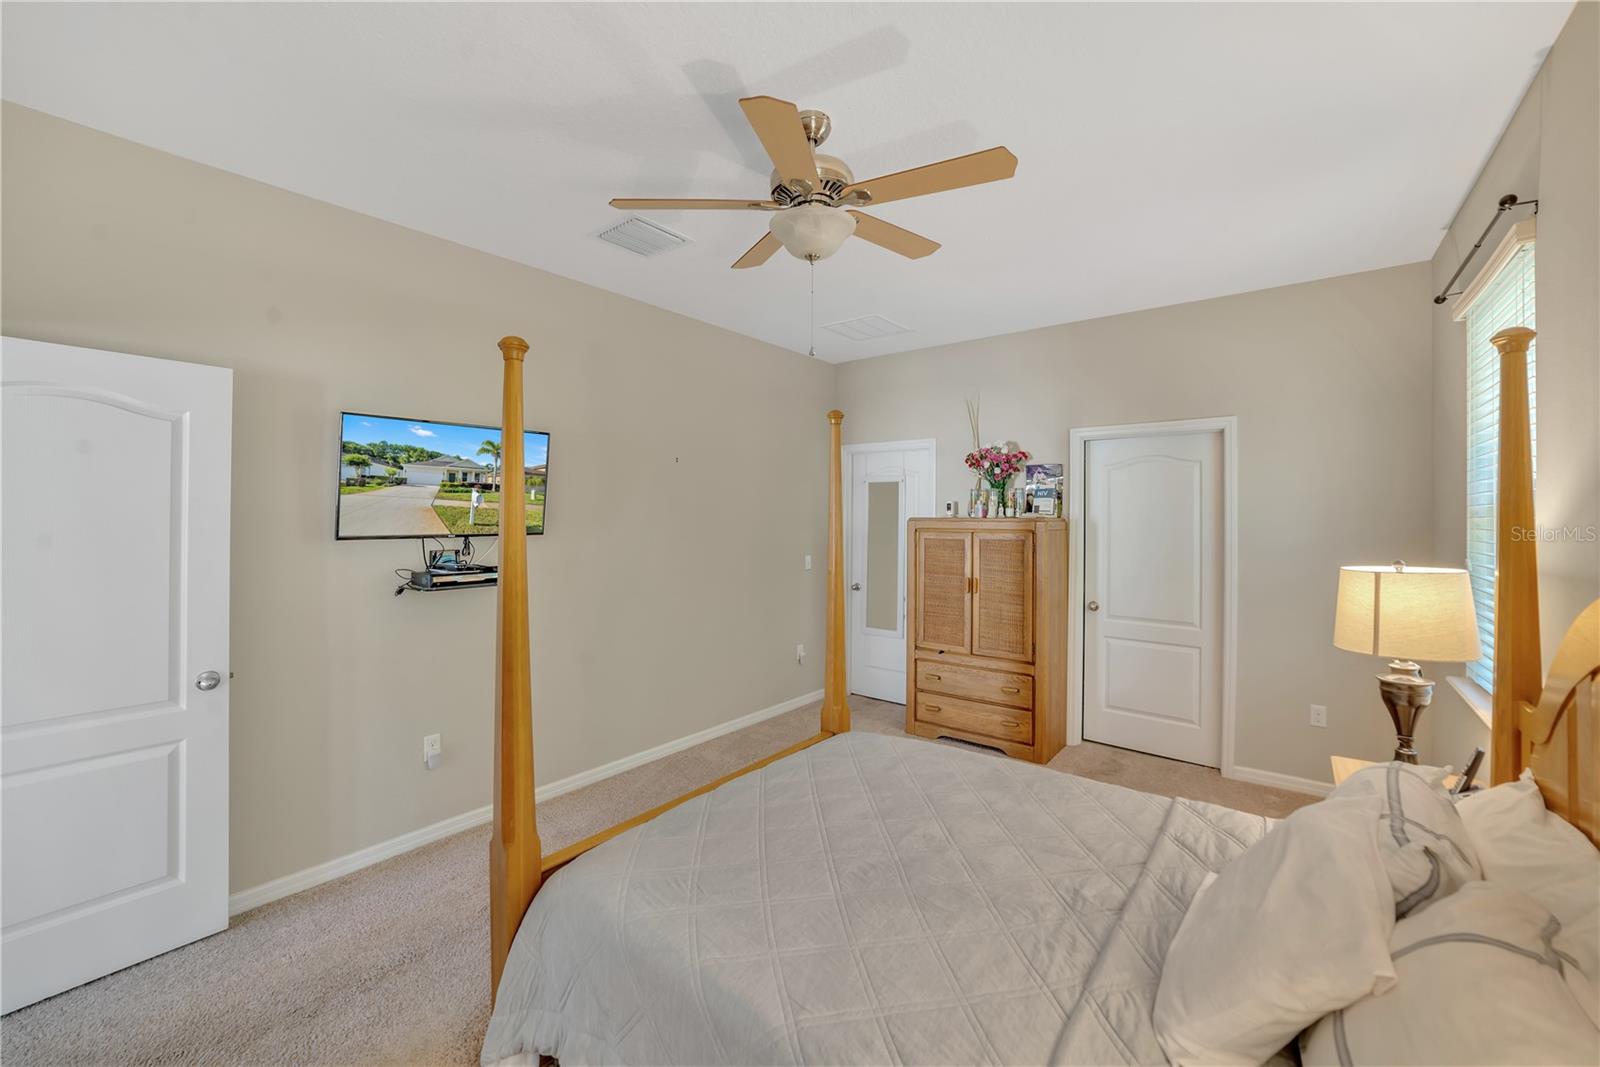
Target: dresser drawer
column 971, row 717
column 995, row 687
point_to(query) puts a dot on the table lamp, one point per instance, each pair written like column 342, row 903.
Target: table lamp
column 1407, row 614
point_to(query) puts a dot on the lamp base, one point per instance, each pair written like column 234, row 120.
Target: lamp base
column 1405, row 693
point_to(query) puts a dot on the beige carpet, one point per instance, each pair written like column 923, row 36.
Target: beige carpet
column 390, row 964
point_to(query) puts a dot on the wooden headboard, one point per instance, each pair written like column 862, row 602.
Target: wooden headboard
column 1549, row 724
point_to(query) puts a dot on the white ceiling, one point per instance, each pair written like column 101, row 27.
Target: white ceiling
column 1167, row 153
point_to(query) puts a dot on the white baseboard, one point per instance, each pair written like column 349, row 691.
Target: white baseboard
column 649, row 755
column 1281, row 781
column 290, row 884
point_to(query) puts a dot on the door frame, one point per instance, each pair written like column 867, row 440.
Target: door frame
column 1077, row 453
column 847, row 461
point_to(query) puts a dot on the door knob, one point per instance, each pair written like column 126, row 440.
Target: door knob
column 207, row 681
column 1094, row 605
column 856, row 586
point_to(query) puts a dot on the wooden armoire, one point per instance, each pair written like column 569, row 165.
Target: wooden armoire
column 986, row 647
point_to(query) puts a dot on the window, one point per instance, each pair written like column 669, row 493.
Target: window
column 1502, row 296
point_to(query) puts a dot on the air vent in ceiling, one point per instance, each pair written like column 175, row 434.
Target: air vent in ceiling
column 642, row 236
column 867, row 328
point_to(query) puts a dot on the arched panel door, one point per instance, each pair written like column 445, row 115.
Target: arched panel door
column 114, row 694
column 1152, row 653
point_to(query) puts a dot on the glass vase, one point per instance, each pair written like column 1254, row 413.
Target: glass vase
column 997, row 493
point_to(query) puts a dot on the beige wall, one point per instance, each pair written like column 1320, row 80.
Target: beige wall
column 664, row 600
column 1549, row 151
column 1350, row 399
column 1330, row 382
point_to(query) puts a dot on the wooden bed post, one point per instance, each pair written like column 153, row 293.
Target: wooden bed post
column 1518, row 662
column 514, row 846
column 835, row 710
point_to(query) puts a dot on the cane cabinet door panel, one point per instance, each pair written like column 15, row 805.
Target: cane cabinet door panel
column 1002, row 599
column 944, row 606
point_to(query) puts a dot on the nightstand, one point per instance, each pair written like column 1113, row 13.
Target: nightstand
column 1345, row 766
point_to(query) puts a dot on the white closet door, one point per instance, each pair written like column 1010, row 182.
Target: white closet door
column 1153, row 595
column 114, row 700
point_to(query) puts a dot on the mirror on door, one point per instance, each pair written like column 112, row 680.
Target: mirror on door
column 883, row 555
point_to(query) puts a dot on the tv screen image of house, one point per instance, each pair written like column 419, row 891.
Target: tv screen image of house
column 419, row 478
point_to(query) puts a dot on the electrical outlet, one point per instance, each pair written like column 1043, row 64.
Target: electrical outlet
column 799, row 653
column 808, row 561
column 1319, row 715
column 431, row 749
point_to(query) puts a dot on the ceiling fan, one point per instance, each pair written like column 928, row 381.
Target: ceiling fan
column 814, row 196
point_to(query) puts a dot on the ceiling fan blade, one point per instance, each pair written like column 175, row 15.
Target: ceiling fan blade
column 887, row 235
column 635, row 204
column 991, row 165
column 777, row 123
column 759, row 253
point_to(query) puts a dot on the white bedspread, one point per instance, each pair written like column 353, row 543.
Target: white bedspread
column 870, row 899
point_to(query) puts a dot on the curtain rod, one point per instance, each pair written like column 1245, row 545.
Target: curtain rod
column 1506, row 203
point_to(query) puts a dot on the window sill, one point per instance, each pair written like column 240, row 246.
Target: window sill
column 1481, row 703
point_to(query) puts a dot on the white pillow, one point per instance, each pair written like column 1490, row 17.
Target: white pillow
column 1425, row 848
column 1523, row 846
column 1478, row 983
column 1295, row 927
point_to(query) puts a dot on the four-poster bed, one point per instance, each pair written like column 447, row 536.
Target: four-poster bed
column 517, row 867
column 877, row 898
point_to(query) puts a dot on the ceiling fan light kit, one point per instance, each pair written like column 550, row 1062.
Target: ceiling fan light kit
column 812, row 195
column 812, row 231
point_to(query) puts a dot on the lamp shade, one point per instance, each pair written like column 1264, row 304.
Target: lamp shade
column 1407, row 613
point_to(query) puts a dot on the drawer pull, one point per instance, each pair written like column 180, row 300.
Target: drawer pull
column 1009, row 689
column 933, row 678
column 1012, row 723
column 932, row 707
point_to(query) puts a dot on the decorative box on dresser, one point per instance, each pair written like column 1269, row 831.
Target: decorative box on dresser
column 986, row 648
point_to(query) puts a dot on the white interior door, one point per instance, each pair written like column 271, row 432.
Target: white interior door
column 114, row 763
column 1152, row 670
column 889, row 484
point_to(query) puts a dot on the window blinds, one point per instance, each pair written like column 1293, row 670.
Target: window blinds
column 1507, row 300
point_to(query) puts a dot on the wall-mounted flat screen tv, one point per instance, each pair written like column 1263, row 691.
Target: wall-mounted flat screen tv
column 418, row 478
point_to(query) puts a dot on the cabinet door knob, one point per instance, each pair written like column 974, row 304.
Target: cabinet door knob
column 856, row 586
column 1094, row 605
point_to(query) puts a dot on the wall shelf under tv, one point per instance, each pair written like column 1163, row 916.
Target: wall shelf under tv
column 447, row 569
column 485, row 583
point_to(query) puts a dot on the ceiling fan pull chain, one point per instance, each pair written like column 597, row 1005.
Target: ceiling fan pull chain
column 813, row 352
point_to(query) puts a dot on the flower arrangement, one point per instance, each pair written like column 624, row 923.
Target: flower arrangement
column 995, row 465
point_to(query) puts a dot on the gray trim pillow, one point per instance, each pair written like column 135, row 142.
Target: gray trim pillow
column 1479, row 981
column 1426, row 850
